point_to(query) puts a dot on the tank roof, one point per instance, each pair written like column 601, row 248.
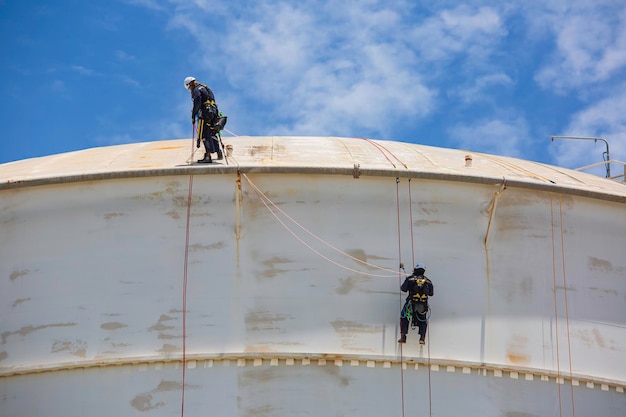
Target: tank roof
column 294, row 154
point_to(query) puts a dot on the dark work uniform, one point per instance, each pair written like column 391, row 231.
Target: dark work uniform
column 204, row 106
column 415, row 307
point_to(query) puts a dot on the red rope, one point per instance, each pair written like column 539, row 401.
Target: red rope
column 182, row 402
column 382, row 150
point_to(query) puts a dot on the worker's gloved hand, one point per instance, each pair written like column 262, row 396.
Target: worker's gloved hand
column 193, row 120
column 198, row 143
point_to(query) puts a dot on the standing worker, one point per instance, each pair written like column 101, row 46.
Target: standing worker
column 205, row 108
column 415, row 307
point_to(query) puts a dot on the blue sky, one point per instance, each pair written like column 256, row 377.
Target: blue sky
column 494, row 77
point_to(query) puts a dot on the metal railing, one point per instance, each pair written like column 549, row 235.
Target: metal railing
column 618, row 178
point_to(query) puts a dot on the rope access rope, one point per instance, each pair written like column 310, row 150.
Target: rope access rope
column 411, row 218
column 266, row 200
column 430, row 402
column 193, row 149
column 556, row 312
column 182, row 402
column 400, row 291
column 569, row 345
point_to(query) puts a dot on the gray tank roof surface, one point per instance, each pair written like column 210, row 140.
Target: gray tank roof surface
column 321, row 155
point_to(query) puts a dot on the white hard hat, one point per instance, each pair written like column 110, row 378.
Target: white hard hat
column 188, row 81
column 420, row 266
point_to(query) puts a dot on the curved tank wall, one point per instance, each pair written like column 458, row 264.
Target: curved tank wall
column 276, row 278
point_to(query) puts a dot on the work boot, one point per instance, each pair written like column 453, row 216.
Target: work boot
column 402, row 339
column 207, row 159
column 422, row 340
column 220, row 156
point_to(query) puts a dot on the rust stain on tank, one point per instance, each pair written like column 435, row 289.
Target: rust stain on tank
column 262, row 321
column 516, row 350
column 160, row 326
column 517, row 358
column 600, row 264
column 168, row 349
column 213, row 246
column 429, row 208
column 261, row 374
column 19, row 301
column 271, row 266
column 3, row 356
column 350, row 327
column 599, row 339
column 171, row 386
column 260, row 348
column 112, row 325
column 260, row 411
column 333, row 371
column 165, row 336
column 110, row 216
column 166, row 148
column 349, row 331
column 346, row 285
column 143, row 402
column 422, row 223
column 18, row 274
column 145, row 166
column 257, row 150
column 77, row 347
column 26, row 330
column 363, row 256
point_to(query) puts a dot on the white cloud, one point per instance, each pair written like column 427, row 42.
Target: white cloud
column 149, row 4
column 496, row 136
column 82, row 70
column 58, row 86
column 124, row 56
column 130, row 81
column 478, row 90
column 459, row 31
column 604, row 119
column 590, row 45
column 323, row 72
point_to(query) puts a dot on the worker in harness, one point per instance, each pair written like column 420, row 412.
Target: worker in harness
column 415, row 307
column 205, row 108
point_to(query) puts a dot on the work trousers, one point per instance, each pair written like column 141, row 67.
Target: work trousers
column 420, row 320
column 209, row 137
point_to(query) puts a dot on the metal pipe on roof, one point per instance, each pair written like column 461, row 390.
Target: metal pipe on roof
column 608, row 157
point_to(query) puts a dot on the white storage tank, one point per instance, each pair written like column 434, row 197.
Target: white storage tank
column 268, row 283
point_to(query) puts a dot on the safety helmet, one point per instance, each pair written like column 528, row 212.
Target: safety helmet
column 420, row 266
column 188, row 81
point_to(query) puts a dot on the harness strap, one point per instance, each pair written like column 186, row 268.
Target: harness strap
column 420, row 297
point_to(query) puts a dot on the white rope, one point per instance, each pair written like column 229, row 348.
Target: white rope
column 264, row 198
